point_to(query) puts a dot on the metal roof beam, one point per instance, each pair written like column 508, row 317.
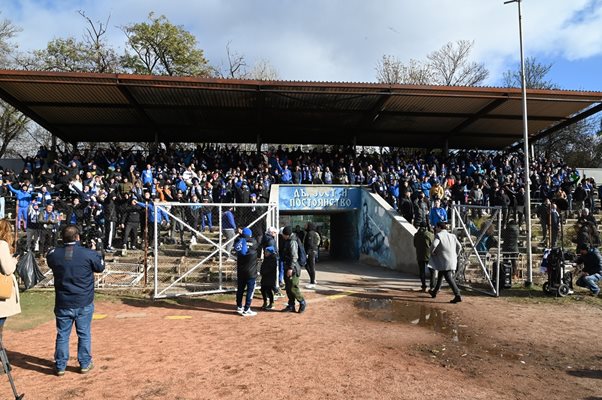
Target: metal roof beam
column 476, row 116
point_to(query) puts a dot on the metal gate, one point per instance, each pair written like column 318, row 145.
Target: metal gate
column 479, row 230
column 192, row 253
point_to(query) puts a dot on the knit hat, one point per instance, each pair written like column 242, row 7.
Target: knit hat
column 247, row 232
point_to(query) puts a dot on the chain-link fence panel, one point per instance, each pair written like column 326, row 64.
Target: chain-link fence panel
column 193, row 244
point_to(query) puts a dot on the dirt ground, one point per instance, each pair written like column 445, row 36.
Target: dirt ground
column 386, row 344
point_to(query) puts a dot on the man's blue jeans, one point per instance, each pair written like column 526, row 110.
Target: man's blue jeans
column 65, row 317
column 590, row 282
column 249, row 284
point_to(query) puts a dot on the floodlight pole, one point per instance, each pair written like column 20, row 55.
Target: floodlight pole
column 526, row 147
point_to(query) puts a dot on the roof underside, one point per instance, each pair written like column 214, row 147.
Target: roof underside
column 127, row 108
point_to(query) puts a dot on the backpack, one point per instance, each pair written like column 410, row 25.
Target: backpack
column 301, row 254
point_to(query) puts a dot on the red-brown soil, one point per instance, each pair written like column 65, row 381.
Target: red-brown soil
column 394, row 345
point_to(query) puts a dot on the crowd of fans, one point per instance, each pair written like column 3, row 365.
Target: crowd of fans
column 109, row 188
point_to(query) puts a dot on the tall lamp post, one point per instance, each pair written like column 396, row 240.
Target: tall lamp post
column 526, row 147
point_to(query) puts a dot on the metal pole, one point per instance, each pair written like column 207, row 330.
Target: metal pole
column 525, row 148
column 146, row 242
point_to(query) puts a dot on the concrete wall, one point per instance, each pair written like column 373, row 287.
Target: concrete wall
column 385, row 238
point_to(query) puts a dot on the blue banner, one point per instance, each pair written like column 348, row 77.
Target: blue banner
column 319, row 197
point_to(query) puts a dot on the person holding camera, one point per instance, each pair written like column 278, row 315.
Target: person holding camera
column 49, row 221
column 73, row 267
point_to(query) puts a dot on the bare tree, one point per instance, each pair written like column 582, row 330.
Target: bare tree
column 238, row 68
column 263, row 70
column 535, row 75
column 7, row 32
column 12, row 125
column 449, row 66
column 105, row 59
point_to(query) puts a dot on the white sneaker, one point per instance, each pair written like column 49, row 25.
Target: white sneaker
column 310, row 286
column 249, row 313
column 239, row 310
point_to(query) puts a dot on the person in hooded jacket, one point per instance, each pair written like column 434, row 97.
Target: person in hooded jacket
column 246, row 271
column 269, row 268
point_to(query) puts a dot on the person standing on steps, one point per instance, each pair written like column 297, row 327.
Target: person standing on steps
column 444, row 259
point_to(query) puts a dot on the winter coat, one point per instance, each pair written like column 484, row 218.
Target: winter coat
column 8, row 264
column 510, row 238
column 444, row 252
column 269, row 265
column 246, row 257
column 423, row 239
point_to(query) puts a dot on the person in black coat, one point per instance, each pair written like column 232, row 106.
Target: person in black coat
column 246, row 271
column 130, row 222
column 406, row 208
column 269, row 268
column 592, row 269
column 510, row 243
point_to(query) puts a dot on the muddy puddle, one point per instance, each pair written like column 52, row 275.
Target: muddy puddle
column 412, row 313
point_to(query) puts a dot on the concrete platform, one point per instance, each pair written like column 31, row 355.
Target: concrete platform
column 358, row 277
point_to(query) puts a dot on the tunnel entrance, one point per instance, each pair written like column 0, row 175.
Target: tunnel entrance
column 338, row 232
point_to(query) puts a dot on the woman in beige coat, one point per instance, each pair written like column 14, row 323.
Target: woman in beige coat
column 8, row 264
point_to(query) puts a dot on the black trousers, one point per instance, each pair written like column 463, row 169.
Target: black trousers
column 131, row 229
column 449, row 277
column 267, row 294
column 422, row 274
column 311, row 266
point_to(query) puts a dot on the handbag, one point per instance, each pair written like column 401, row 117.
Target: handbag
column 6, row 286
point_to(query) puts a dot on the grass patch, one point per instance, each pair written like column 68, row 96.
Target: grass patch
column 36, row 309
column 37, row 306
column 536, row 295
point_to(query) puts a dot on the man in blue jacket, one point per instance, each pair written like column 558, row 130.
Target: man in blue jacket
column 246, row 271
column 73, row 267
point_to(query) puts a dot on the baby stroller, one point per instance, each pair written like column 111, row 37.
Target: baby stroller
column 560, row 281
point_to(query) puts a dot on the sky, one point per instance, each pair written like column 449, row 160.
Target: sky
column 342, row 40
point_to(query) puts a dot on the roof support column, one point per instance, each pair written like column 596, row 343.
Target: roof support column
column 259, row 144
column 446, row 148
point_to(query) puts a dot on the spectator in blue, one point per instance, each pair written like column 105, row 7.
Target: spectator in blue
column 73, row 267
column 229, row 229
column 246, row 271
column 426, row 187
column 24, row 198
column 287, row 176
column 147, row 176
column 437, row 213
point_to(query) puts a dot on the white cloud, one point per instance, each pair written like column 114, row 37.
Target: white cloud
column 339, row 39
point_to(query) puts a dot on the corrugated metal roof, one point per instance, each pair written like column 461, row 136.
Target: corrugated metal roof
column 95, row 107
